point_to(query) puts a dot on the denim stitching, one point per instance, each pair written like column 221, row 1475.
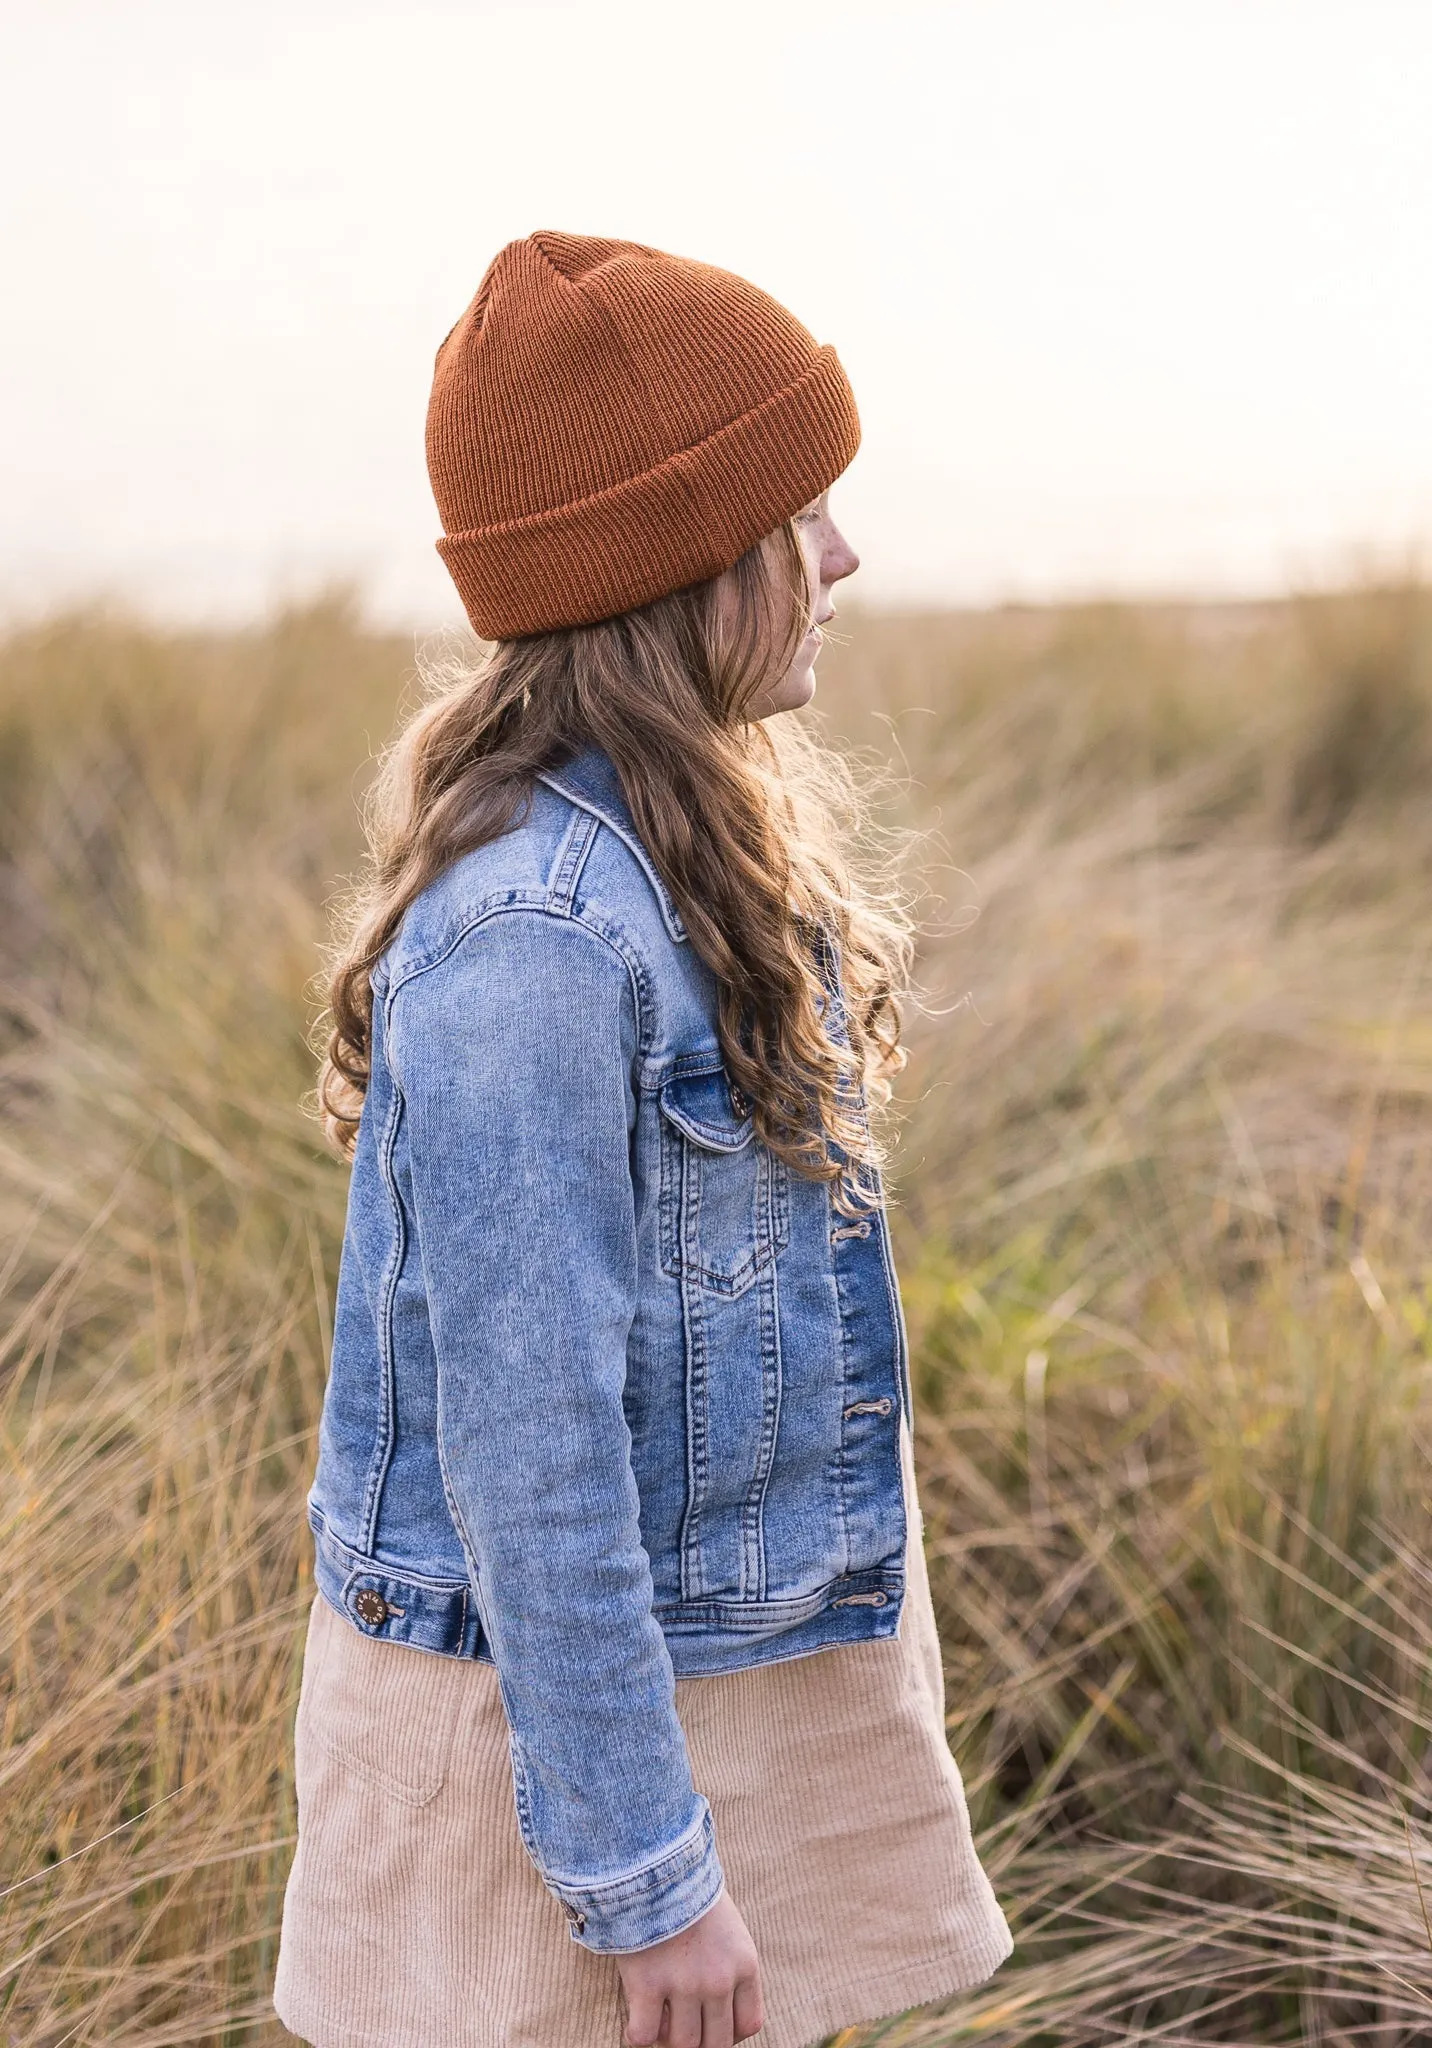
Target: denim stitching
column 512, row 901
column 686, row 1854
column 693, row 1321
column 387, row 1429
column 897, row 1315
column 776, row 1615
column 686, row 1163
column 753, row 1547
column 581, row 835
column 670, row 915
column 840, row 1468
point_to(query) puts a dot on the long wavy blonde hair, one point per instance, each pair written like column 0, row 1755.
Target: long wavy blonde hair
column 750, row 823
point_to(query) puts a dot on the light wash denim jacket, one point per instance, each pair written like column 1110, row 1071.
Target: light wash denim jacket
column 615, row 1395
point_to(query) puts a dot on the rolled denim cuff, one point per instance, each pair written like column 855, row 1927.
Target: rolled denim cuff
column 645, row 1906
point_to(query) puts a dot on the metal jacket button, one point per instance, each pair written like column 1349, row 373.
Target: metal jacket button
column 370, row 1606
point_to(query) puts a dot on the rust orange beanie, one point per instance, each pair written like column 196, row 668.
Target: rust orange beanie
column 609, row 423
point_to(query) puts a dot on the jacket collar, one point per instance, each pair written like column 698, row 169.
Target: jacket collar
column 591, row 782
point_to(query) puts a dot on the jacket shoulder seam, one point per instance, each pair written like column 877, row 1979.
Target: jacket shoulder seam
column 519, row 902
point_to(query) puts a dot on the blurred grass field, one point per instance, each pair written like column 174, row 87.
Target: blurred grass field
column 1164, row 1195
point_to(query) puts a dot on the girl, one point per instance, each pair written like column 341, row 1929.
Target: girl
column 621, row 1685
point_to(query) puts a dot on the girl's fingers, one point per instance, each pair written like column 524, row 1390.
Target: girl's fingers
column 716, row 2025
column 750, row 2010
column 683, row 2023
column 643, row 2027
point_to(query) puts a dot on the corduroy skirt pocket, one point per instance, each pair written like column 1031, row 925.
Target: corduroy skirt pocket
column 381, row 1710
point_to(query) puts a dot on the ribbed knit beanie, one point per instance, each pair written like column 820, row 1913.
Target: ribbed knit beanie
column 609, row 423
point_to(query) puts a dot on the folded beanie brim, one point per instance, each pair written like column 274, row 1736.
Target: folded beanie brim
column 687, row 519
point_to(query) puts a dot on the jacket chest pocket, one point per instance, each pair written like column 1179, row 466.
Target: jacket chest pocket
column 725, row 1199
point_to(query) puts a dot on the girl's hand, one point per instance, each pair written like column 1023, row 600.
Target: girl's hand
column 699, row 1989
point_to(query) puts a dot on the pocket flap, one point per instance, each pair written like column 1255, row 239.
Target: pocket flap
column 700, row 1105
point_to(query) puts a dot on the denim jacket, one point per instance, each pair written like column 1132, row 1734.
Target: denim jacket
column 615, row 1395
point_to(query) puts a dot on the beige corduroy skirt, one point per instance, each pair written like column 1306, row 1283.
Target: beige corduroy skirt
column 414, row 1918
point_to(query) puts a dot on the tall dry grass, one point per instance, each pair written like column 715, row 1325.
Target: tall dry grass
column 1164, row 1198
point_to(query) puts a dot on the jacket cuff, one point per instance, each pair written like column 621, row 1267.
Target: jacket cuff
column 648, row 1905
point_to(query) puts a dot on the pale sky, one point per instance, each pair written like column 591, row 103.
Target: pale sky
column 1136, row 295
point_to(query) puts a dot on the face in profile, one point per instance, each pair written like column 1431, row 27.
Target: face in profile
column 829, row 558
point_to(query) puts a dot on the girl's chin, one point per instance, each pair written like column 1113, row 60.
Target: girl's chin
column 799, row 686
